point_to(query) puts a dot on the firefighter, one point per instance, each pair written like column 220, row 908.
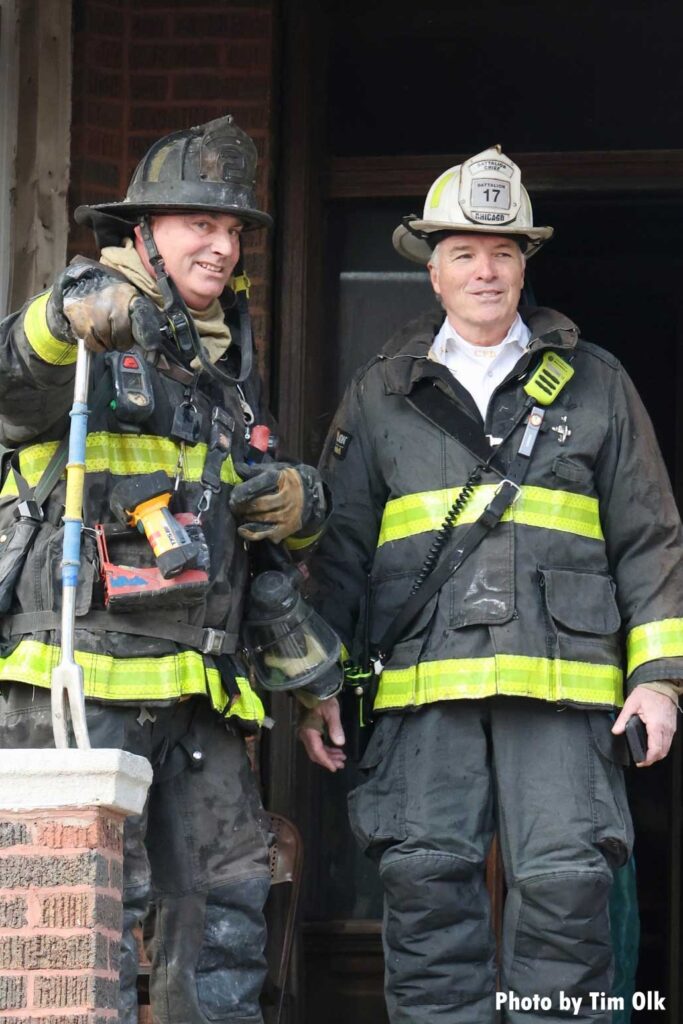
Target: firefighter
column 173, row 398
column 498, row 479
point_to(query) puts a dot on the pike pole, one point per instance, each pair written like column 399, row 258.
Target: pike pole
column 67, row 676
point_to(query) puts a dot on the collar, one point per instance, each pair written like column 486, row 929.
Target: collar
column 448, row 340
column 405, row 357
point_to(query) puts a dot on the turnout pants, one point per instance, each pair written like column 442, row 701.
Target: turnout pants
column 437, row 784
column 198, row 850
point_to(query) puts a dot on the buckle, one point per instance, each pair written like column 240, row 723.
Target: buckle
column 501, row 485
column 212, row 641
column 29, row 509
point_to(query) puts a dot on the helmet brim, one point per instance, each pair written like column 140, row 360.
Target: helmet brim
column 130, row 213
column 418, row 249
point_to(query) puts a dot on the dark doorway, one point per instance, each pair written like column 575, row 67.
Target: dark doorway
column 375, row 95
column 613, row 267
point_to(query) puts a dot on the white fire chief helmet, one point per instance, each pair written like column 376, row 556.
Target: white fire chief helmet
column 485, row 194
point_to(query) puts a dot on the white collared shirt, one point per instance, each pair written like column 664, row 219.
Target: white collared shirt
column 480, row 368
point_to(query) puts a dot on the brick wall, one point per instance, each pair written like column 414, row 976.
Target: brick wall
column 143, row 70
column 60, row 917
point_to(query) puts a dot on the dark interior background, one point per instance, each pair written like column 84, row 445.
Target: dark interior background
column 406, row 80
column 446, row 77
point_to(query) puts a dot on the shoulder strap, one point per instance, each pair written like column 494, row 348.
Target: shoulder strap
column 33, row 500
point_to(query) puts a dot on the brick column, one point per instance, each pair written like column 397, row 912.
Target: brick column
column 61, row 830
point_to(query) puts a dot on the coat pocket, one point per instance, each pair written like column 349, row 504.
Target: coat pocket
column 582, row 615
column 582, row 602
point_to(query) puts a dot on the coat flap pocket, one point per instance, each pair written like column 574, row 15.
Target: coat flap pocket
column 581, row 601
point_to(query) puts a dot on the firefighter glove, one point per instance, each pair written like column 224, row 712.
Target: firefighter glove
column 277, row 500
column 88, row 302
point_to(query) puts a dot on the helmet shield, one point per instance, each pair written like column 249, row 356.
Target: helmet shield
column 211, row 167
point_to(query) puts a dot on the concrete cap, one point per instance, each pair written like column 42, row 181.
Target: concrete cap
column 42, row 779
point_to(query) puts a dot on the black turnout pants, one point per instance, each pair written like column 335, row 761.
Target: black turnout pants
column 198, row 850
column 437, row 783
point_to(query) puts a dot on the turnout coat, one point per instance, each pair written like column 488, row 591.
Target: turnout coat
column 577, row 591
column 148, row 655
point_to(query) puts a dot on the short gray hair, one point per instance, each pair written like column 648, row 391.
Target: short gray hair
column 434, row 258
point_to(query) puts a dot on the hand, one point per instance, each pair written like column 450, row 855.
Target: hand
column 658, row 713
column 277, row 500
column 88, row 302
column 313, row 724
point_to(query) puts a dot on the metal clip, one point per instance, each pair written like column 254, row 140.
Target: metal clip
column 212, row 641
column 501, row 485
column 204, row 502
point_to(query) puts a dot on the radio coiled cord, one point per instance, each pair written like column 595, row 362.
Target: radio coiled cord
column 452, row 516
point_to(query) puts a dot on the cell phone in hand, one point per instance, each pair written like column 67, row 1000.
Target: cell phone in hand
column 636, row 737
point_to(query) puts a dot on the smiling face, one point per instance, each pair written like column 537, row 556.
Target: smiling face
column 200, row 251
column 479, row 279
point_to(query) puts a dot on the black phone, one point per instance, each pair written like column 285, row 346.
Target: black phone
column 636, row 737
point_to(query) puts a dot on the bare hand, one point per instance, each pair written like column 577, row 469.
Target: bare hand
column 658, row 713
column 324, row 717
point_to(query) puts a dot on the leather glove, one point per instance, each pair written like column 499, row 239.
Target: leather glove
column 88, row 302
column 277, row 500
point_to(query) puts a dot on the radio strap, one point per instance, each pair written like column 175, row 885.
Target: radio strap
column 507, row 492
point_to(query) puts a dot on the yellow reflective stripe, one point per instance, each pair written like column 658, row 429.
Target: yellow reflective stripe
column 132, row 679
column 510, row 674
column 299, row 543
column 651, row 640
column 241, row 283
column 121, row 455
column 247, row 706
column 537, row 506
column 438, row 188
column 43, row 343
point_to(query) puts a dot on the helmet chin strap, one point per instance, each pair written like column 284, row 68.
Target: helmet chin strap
column 182, row 328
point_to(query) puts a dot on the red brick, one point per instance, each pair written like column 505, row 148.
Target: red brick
column 149, row 26
column 12, row 912
column 173, row 55
column 164, row 119
column 191, row 86
column 101, row 54
column 12, row 992
column 52, row 991
column 101, row 19
column 245, row 24
column 102, row 144
column 253, row 55
column 104, row 83
column 23, row 872
column 102, row 833
column 46, row 951
column 13, row 833
column 148, row 87
column 105, row 114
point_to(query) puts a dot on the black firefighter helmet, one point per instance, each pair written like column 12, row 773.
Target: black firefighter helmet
column 211, row 167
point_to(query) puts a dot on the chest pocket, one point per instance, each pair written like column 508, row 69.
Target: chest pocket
column 482, row 591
